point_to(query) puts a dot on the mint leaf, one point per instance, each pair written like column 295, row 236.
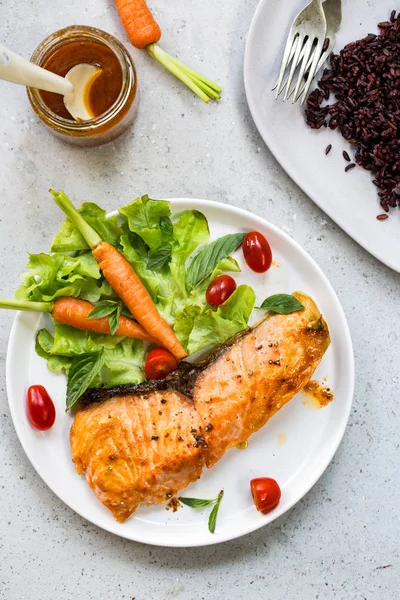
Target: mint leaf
column 82, row 372
column 166, row 226
column 212, row 520
column 104, row 309
column 205, row 262
column 282, row 304
column 199, row 503
column 196, row 502
column 159, row 259
column 113, row 319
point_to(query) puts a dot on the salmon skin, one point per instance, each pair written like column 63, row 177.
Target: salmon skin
column 144, row 443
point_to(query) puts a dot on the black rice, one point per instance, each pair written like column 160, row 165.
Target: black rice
column 365, row 80
column 350, row 166
column 346, row 156
column 328, row 148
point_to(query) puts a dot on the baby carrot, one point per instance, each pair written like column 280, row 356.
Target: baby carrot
column 124, row 280
column 144, row 32
column 138, row 22
column 74, row 312
column 128, row 286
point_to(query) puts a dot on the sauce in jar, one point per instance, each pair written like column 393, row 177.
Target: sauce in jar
column 112, row 96
column 105, row 88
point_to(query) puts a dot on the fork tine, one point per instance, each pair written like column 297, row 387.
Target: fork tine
column 285, row 60
column 299, row 44
column 292, row 51
column 321, row 61
column 307, row 52
column 298, row 62
column 308, row 66
column 312, row 71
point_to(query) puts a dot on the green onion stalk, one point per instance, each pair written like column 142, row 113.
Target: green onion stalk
column 204, row 88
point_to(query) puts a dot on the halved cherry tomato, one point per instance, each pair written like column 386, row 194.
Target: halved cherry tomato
column 159, row 363
column 41, row 409
column 266, row 493
column 257, row 252
column 220, row 289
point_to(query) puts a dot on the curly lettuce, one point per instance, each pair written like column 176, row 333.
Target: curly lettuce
column 159, row 246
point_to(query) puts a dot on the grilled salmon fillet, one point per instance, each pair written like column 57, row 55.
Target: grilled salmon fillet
column 145, row 443
column 138, row 448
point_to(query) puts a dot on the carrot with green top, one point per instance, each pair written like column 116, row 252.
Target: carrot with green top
column 75, row 313
column 144, row 32
column 124, row 280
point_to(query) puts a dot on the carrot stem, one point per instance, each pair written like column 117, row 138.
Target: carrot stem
column 26, row 305
column 91, row 236
column 166, row 61
column 206, row 88
column 195, row 74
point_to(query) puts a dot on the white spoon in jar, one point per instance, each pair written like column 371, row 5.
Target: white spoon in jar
column 73, row 87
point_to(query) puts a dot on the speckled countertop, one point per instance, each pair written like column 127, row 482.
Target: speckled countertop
column 341, row 540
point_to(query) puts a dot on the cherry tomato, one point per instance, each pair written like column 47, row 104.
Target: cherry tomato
column 266, row 493
column 220, row 289
column 257, row 252
column 159, row 363
column 41, row 409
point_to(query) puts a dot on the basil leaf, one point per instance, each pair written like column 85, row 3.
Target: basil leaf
column 139, row 245
column 212, row 520
column 159, row 259
column 103, row 309
column 196, row 502
column 83, row 370
column 205, row 262
column 166, row 226
column 282, row 304
column 113, row 319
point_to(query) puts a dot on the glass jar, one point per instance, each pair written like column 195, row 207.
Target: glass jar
column 116, row 119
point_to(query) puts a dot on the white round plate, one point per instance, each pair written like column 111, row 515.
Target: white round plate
column 349, row 198
column 294, row 447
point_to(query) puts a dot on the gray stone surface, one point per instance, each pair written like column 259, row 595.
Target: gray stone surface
column 341, row 540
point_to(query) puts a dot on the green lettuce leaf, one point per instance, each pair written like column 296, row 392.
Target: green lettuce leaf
column 166, row 286
column 143, row 216
column 69, row 341
column 123, row 357
column 239, row 306
column 124, row 363
column 184, row 322
column 196, row 302
column 160, row 248
column 215, row 327
column 190, row 230
column 68, row 238
column 52, row 276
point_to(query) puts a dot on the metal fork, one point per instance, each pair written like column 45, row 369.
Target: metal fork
column 305, row 42
column 333, row 16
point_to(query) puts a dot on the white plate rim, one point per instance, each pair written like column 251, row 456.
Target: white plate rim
column 115, row 528
column 291, row 170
